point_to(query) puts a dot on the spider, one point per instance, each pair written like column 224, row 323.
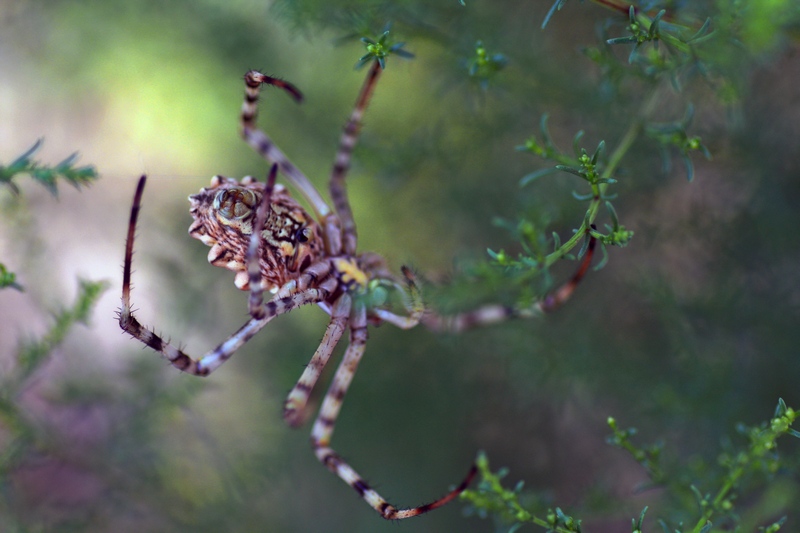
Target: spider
column 260, row 232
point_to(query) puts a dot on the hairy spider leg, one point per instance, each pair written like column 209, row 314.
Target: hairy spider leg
column 295, row 404
column 256, row 300
column 341, row 164
column 492, row 314
column 291, row 296
column 262, row 144
column 559, row 297
column 320, row 283
column 412, row 302
column 294, row 408
column 326, row 420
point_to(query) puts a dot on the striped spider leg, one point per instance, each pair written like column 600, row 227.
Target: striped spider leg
column 355, row 273
column 262, row 234
column 487, row 315
column 230, row 204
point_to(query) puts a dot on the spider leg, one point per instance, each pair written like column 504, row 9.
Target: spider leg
column 315, row 273
column 262, row 144
column 288, row 298
column 295, row 405
column 323, row 430
column 413, row 304
column 347, row 143
column 256, row 300
column 492, row 314
column 560, row 296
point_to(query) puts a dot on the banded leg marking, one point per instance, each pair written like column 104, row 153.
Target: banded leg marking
column 262, row 144
column 412, row 302
column 256, row 300
column 492, row 314
column 341, row 165
column 280, row 304
column 322, row 432
column 560, row 296
column 295, row 406
column 277, row 306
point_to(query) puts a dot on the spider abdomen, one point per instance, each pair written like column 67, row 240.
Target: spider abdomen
column 224, row 214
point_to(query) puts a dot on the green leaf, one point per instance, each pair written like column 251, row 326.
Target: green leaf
column 613, row 214
column 528, row 178
column 597, row 152
column 637, row 525
column 9, row 279
column 622, row 40
column 555, row 7
column 780, row 409
column 576, row 144
column 699, row 35
column 571, row 170
column 47, row 176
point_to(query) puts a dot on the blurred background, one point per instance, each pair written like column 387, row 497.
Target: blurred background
column 686, row 332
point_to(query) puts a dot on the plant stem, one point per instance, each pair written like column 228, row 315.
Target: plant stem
column 632, row 133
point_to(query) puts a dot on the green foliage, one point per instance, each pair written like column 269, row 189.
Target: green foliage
column 31, row 355
column 673, row 62
column 690, row 327
column 8, row 279
column 684, row 53
column 687, row 52
column 492, row 498
column 45, row 174
column 557, row 5
column 24, row 435
column 483, row 66
column 381, row 49
column 759, row 461
column 646, row 31
column 34, row 437
column 673, row 135
column 648, row 457
column 739, row 470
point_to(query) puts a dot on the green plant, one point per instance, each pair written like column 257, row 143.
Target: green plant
column 680, row 59
column 45, row 175
column 664, row 54
column 739, row 471
column 689, row 328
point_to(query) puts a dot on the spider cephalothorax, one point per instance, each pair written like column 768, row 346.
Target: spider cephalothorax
column 224, row 215
column 262, row 234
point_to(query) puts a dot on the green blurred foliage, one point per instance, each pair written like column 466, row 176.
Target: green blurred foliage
column 687, row 331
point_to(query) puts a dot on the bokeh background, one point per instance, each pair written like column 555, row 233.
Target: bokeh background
column 689, row 330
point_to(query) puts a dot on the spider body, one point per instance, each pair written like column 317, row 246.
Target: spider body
column 261, row 233
column 224, row 215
